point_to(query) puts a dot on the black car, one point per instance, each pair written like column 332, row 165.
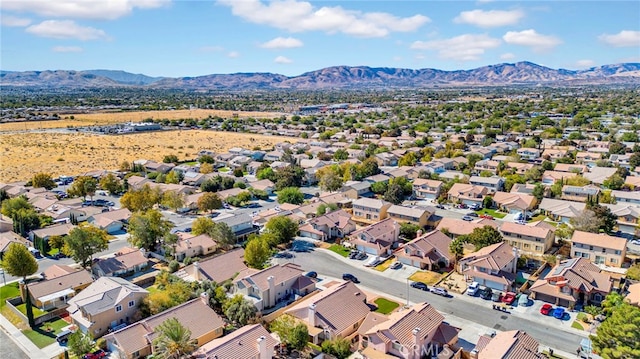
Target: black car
column 439, row 206
column 472, row 214
column 486, row 293
column 350, row 277
column 420, row 285
column 311, row 274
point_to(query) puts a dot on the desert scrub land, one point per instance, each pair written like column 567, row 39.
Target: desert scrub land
column 108, row 118
column 23, row 155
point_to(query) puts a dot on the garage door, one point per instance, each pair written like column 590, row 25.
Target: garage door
column 368, row 250
column 546, row 298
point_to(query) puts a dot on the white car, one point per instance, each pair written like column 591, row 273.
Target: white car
column 636, row 242
column 473, row 288
column 373, row 262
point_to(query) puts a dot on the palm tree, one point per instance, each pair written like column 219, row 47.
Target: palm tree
column 173, row 341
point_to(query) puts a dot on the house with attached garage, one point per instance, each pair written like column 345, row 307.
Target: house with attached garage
column 514, row 202
column 111, row 221
column 426, row 188
column 56, row 290
column 467, row 194
column 414, row 215
column 217, row 269
column 513, row 344
column 532, row 238
column 40, row 237
column 427, row 251
column 335, row 224
column 241, row 225
column 627, row 197
column 560, row 210
column 369, row 210
column 379, row 239
column 127, row 261
column 194, row 246
column 249, row 342
column 528, row 154
column 494, row 183
column 628, row 217
column 493, row 266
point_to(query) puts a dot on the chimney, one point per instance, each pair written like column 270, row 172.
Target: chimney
column 419, row 233
column 263, row 353
column 205, row 297
column 272, row 292
column 196, row 271
column 473, row 354
column 416, row 334
column 515, row 262
column 312, row 315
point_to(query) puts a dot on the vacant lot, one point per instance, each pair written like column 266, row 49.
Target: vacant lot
column 23, row 155
column 106, row 118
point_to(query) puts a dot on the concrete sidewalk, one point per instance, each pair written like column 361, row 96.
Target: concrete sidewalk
column 21, row 340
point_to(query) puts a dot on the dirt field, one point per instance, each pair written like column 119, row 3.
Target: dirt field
column 22, row 155
column 122, row 117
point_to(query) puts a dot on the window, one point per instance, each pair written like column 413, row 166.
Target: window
column 617, row 252
column 396, row 346
column 118, row 308
column 132, row 303
column 614, row 261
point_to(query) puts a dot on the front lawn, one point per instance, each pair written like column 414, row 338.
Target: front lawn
column 491, row 212
column 577, row 325
column 223, row 169
column 45, row 334
column 427, row 277
column 540, row 217
column 385, row 306
column 37, row 312
column 341, row 250
column 384, row 265
column 10, row 290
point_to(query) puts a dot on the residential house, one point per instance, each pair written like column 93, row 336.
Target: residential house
column 580, row 194
column 107, row 303
column 428, row 251
column 514, row 202
column 386, row 159
column 560, row 210
column 40, row 237
column 467, row 193
column 551, row 177
column 216, row 269
column 136, row 340
column 54, row 292
column 335, row 224
column 336, row 312
column 633, row 294
column 627, row 197
column 597, row 175
column 570, row 167
column 270, row 286
column 621, row 160
column 455, row 227
column 127, row 261
column 588, row 158
column 398, row 336
column 633, row 182
column 528, row 154
column 249, row 342
column 239, row 162
column 194, row 246
column 6, row 238
column 599, row 248
column 486, row 165
column 264, row 185
column 152, row 166
column 194, row 178
column 378, row 239
column 494, row 183
column 369, row 210
column 414, row 215
column 628, row 217
column 380, row 177
column 357, row 189
column 534, row 238
column 137, row 182
column 111, row 221
column 6, row 224
column 520, row 168
column 241, row 225
column 426, row 188
column 273, row 156
column 493, row 266
column 222, row 159
column 572, row 281
column 526, row 188
column 552, row 154
column 513, row 344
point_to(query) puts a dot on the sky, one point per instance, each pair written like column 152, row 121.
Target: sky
column 177, row 38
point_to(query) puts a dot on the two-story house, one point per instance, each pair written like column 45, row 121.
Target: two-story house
column 628, row 217
column 378, row 239
column 553, row 154
column 633, row 182
column 513, row 344
column 270, row 286
column 532, row 238
column 572, row 281
column 336, row 312
column 386, row 159
column 493, row 266
column 241, row 224
column 550, row 177
column 486, row 165
column 467, row 193
column 580, row 194
column 528, row 154
column 335, row 224
column 494, row 183
column 428, row 251
column 251, row 342
column 398, row 336
column 369, row 210
column 588, row 158
column 426, row 188
column 216, row 269
column 136, row 340
column 414, row 215
column 108, row 303
column 601, row 249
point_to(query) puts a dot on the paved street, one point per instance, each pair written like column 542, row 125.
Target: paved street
column 9, row 349
column 545, row 331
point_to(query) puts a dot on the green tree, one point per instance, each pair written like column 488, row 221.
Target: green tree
column 326, row 208
column 80, row 343
column 266, row 173
column 209, row 201
column 43, row 180
column 617, row 148
column 368, row 167
column 223, row 234
column 173, row 177
column 409, row 159
column 586, row 221
column 25, row 220
column 290, row 176
column 173, row 200
column 202, row 225
column 239, row 311
column 170, row 159
column 633, row 272
column 619, row 335
column 394, row 194
column 18, row 261
column 146, row 229
column 487, row 202
column 340, row 155
column 238, row 172
column 338, row 347
column 510, row 180
column 484, row 236
column 330, row 181
column 173, row 341
column 608, row 221
column 83, row 242
column 56, row 242
column 295, row 335
column 206, row 159
column 379, row 187
column 11, row 206
column 284, row 229
column 615, row 182
column 29, row 307
column 206, row 168
column 291, row 195
column 473, row 158
column 409, row 230
column 538, row 192
column 257, row 252
column 142, row 199
column 634, row 160
column 456, row 247
column 83, row 186
column 111, row 183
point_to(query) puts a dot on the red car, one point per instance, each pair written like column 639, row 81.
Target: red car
column 486, row 216
column 546, row 309
column 509, row 298
column 98, row 354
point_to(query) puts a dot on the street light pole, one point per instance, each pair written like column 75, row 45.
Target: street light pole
column 407, row 292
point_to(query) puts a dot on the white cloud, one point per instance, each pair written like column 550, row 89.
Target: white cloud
column 531, row 38
column 490, row 18
column 282, row 43
column 585, row 63
column 467, row 47
column 300, row 16
column 65, row 29
column 282, row 60
column 13, row 21
column 81, row 9
column 66, row 49
column 625, row 38
column 233, row 54
column 507, row 56
column 211, row 49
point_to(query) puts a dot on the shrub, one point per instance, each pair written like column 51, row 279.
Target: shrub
column 187, row 261
column 101, row 343
column 173, row 266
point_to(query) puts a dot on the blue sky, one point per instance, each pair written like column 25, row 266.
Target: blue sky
column 191, row 38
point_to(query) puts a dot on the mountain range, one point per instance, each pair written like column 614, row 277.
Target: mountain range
column 336, row 77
